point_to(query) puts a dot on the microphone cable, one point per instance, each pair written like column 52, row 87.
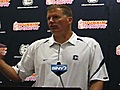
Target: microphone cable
column 58, row 63
column 59, row 52
column 61, row 81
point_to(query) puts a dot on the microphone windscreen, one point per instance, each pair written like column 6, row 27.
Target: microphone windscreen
column 58, row 63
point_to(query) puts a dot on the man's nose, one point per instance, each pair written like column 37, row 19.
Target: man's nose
column 51, row 19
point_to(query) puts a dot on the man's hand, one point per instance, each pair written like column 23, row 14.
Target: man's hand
column 3, row 50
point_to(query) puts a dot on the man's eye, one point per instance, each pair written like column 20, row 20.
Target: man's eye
column 56, row 17
column 53, row 18
column 48, row 18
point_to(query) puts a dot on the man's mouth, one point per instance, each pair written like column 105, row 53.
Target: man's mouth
column 53, row 27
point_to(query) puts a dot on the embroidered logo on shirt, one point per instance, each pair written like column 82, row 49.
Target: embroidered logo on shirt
column 75, row 57
column 45, row 59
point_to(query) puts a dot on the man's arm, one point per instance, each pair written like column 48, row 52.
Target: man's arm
column 96, row 85
column 6, row 69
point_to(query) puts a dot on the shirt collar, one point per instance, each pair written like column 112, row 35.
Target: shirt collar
column 71, row 40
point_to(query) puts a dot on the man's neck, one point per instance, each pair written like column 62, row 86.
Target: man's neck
column 63, row 38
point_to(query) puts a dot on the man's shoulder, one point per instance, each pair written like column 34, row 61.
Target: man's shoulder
column 40, row 41
column 87, row 39
column 37, row 43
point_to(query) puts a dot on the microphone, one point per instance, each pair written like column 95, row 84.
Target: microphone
column 59, row 69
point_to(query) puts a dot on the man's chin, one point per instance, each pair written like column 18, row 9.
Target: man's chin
column 54, row 31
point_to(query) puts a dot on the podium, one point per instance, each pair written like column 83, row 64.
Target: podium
column 37, row 88
column 27, row 85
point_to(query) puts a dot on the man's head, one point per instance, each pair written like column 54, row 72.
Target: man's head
column 59, row 19
column 65, row 9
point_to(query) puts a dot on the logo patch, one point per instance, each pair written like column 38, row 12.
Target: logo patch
column 75, row 57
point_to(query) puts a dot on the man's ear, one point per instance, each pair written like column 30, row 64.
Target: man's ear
column 70, row 20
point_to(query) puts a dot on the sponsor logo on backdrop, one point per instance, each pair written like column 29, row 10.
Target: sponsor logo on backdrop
column 118, row 1
column 92, row 3
column 0, row 24
column 118, row 50
column 27, row 26
column 22, row 50
column 48, row 31
column 1, row 31
column 50, row 2
column 4, row 3
column 27, row 4
column 92, row 24
column 31, row 78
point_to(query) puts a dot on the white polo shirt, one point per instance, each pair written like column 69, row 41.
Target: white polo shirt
column 82, row 55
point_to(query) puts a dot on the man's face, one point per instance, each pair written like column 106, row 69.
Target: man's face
column 57, row 22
